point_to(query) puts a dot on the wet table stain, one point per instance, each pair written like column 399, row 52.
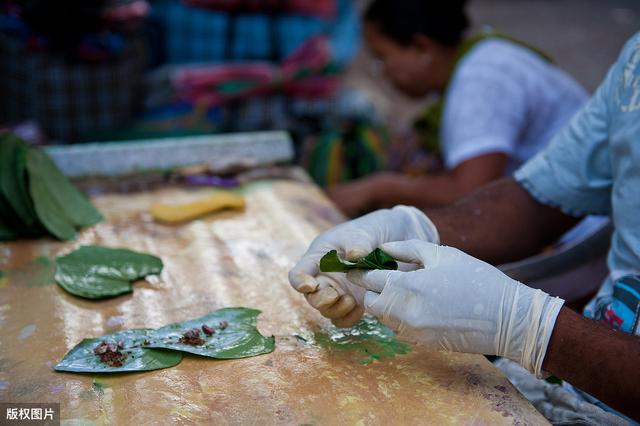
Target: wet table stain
column 226, row 259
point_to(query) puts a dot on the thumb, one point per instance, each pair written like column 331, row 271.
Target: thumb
column 302, row 276
column 413, row 251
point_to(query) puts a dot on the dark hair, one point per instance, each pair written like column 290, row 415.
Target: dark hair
column 63, row 22
column 441, row 20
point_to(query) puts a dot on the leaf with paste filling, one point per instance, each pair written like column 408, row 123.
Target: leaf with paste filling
column 377, row 259
column 98, row 272
column 226, row 333
column 130, row 354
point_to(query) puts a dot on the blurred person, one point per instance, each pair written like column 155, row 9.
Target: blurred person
column 500, row 102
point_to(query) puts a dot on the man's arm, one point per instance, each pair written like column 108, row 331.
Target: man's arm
column 596, row 359
column 386, row 190
column 500, row 223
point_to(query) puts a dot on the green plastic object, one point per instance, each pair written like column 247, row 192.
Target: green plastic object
column 97, row 272
column 227, row 333
column 377, row 259
column 129, row 354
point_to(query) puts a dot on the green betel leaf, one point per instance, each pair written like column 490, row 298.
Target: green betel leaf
column 377, row 259
column 99, row 272
column 58, row 204
column 13, row 185
column 7, row 231
column 226, row 333
column 29, row 216
column 119, row 352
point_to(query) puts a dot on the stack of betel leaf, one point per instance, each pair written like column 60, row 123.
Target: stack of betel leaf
column 227, row 333
column 36, row 198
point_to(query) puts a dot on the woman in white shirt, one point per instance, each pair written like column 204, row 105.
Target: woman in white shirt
column 500, row 102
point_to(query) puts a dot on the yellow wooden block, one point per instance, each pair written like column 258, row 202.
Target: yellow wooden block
column 175, row 213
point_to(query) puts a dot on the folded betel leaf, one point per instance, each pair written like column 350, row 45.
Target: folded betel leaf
column 377, row 259
column 119, row 352
column 99, row 272
column 8, row 229
column 227, row 333
column 60, row 207
column 13, row 186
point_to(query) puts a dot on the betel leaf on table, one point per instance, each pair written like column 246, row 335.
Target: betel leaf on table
column 24, row 198
column 226, row 334
column 232, row 333
column 13, row 184
column 98, row 272
column 60, row 207
column 377, row 259
column 133, row 356
column 10, row 219
column 36, row 197
column 7, row 232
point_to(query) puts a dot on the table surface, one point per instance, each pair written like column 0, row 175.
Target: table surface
column 225, row 259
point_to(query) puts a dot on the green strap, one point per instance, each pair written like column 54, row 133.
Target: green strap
column 427, row 124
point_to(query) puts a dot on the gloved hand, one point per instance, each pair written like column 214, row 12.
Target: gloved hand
column 459, row 303
column 331, row 293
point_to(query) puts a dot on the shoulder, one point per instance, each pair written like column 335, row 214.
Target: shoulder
column 497, row 67
column 631, row 48
column 628, row 62
column 500, row 55
column 623, row 82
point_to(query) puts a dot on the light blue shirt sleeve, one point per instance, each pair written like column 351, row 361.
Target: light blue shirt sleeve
column 592, row 166
column 574, row 172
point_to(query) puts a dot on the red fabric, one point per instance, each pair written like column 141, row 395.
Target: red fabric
column 300, row 74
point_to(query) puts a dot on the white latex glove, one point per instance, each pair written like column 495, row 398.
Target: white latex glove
column 331, row 293
column 459, row 303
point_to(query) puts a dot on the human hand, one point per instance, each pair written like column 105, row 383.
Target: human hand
column 459, row 303
column 331, row 293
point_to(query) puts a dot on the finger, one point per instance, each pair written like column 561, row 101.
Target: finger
column 342, row 307
column 379, row 308
column 324, row 297
column 358, row 246
column 350, row 319
column 370, row 299
column 302, row 275
column 374, row 280
column 412, row 251
column 407, row 267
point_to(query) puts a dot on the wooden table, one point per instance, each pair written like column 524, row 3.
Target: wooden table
column 227, row 259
